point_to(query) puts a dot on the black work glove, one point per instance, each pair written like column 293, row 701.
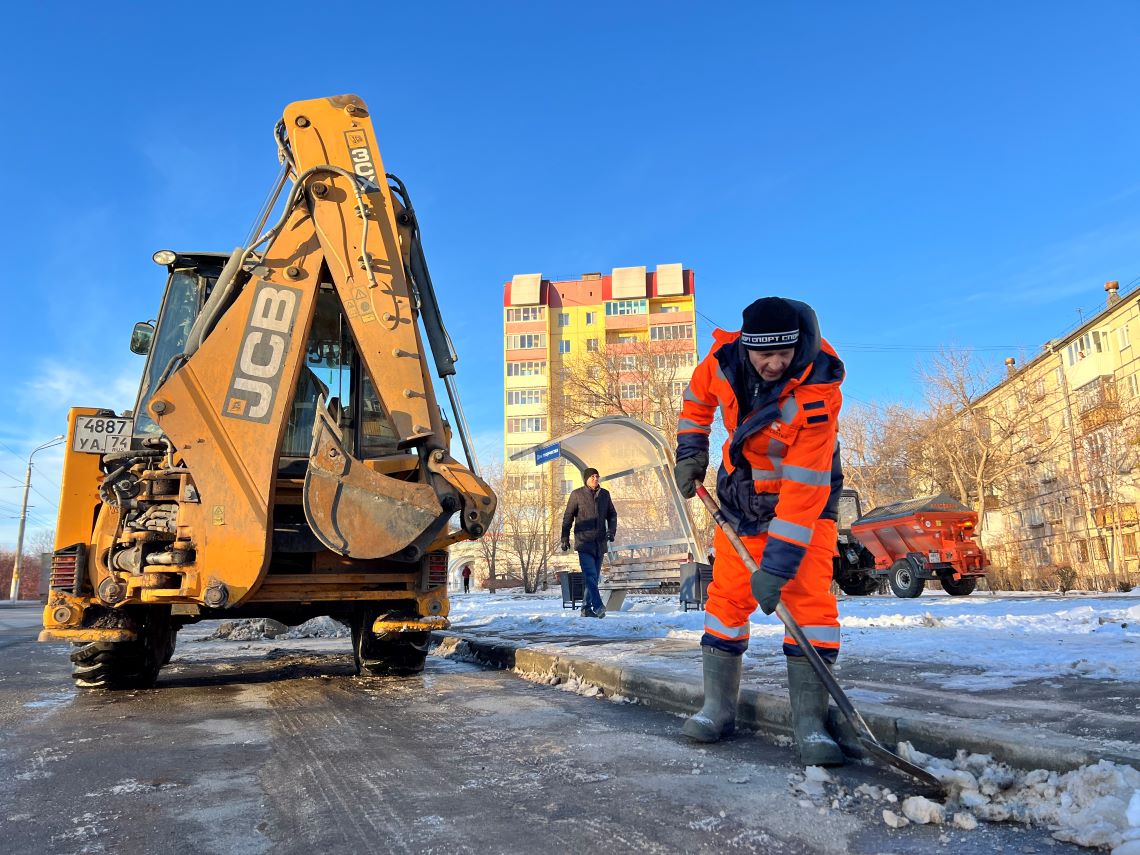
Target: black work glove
column 566, row 546
column 610, row 537
column 689, row 471
column 766, row 589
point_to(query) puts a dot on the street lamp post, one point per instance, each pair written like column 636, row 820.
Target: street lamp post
column 19, row 560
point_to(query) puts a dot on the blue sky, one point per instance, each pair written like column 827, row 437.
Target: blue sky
column 925, row 174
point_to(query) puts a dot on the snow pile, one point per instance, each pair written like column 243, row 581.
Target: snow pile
column 1094, row 806
column 318, row 627
column 251, row 629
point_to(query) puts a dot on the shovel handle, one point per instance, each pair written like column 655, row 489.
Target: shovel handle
column 794, row 629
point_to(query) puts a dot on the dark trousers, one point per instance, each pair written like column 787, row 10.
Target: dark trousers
column 591, row 564
column 467, row 584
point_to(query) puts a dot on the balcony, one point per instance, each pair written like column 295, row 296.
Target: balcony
column 627, row 322
column 1098, row 404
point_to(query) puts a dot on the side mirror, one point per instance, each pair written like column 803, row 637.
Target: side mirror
column 141, row 337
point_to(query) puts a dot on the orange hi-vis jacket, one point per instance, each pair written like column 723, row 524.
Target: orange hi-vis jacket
column 780, row 470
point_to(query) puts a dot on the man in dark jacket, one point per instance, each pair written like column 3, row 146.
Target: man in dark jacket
column 596, row 524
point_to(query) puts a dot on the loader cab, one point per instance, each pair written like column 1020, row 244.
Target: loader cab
column 191, row 277
column 331, row 365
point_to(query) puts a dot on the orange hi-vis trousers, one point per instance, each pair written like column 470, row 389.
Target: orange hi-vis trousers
column 808, row 596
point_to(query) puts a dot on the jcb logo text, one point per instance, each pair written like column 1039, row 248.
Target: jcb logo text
column 261, row 359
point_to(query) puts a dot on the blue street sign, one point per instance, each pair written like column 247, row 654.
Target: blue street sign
column 547, row 453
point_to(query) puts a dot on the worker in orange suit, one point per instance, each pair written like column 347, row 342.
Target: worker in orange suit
column 776, row 383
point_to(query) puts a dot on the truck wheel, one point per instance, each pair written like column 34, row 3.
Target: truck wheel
column 961, row 588
column 859, row 586
column 904, row 581
column 396, row 654
column 126, row 664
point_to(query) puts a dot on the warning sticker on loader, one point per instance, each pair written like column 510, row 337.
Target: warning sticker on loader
column 362, row 163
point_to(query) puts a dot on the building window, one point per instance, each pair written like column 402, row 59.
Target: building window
column 531, row 424
column 592, row 345
column 564, row 345
column 678, row 388
column 630, row 392
column 1125, row 339
column 627, row 363
column 666, row 309
column 563, row 319
column 526, row 341
column 627, row 339
column 567, row 485
column 1091, row 342
column 524, row 483
column 526, row 369
column 1082, row 550
column 1100, row 547
column 1060, row 374
column 526, row 396
column 1128, row 544
column 591, row 318
column 671, row 332
column 527, row 313
column 1133, row 386
column 627, row 307
column 673, row 360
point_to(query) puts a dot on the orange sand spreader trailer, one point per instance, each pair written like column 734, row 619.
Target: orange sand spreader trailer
column 923, row 539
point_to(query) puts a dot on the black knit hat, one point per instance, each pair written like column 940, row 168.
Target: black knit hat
column 587, row 473
column 771, row 323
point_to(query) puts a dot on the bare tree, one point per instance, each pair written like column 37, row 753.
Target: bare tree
column 967, row 445
column 642, row 380
column 528, row 534
column 873, row 442
column 491, row 542
column 1110, row 455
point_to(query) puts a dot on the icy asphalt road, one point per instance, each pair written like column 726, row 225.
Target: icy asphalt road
column 249, row 747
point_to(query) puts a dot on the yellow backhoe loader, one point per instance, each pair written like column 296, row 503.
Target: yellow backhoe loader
column 286, row 456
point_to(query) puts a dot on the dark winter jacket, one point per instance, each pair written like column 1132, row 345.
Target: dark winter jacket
column 596, row 519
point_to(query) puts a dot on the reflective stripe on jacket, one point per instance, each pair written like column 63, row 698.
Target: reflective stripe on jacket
column 780, row 469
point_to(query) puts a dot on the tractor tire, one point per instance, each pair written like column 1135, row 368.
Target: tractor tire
column 397, row 655
column 118, row 665
column 859, row 586
column 904, row 581
column 961, row 588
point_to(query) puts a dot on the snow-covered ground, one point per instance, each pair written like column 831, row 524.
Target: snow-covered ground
column 1008, row 638
column 997, row 640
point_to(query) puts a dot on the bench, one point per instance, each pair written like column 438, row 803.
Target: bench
column 502, row 582
column 641, row 569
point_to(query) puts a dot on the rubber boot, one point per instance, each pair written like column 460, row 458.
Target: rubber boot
column 809, row 715
column 717, row 717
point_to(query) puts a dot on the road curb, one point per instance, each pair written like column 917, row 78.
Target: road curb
column 770, row 713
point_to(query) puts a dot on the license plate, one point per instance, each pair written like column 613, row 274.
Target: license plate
column 101, row 435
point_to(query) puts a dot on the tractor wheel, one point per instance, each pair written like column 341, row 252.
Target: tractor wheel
column 904, row 581
column 126, row 664
column 961, row 588
column 859, row 586
column 394, row 654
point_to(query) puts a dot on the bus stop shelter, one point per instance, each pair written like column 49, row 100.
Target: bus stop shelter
column 657, row 542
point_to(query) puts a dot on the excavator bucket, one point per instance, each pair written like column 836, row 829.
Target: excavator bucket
column 355, row 511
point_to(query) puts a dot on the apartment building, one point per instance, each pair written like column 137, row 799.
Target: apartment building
column 580, row 348
column 1070, row 508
